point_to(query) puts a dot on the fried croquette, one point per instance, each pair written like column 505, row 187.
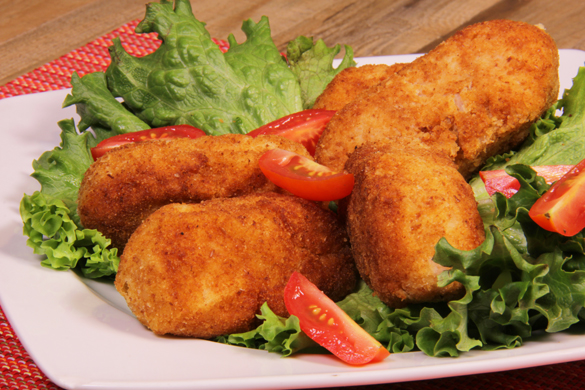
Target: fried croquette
column 473, row 96
column 128, row 183
column 406, row 197
column 204, row 270
column 351, row 82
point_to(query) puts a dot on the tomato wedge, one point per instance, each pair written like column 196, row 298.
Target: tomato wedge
column 304, row 177
column 323, row 321
column 304, row 127
column 177, row 131
column 562, row 208
column 500, row 181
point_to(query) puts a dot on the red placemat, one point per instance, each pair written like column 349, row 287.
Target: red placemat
column 92, row 57
column 19, row 371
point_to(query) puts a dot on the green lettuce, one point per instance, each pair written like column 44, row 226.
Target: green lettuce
column 50, row 216
column 60, row 171
column 311, row 62
column 275, row 334
column 188, row 80
column 99, row 109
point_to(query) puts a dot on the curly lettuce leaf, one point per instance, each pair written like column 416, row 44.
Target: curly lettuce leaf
column 50, row 216
column 276, row 334
column 188, row 80
column 517, row 286
column 65, row 246
column 312, row 65
column 46, row 217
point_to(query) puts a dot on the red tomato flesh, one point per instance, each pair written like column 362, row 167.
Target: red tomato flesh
column 500, row 181
column 304, row 177
column 304, row 127
column 562, row 208
column 323, row 321
column 168, row 132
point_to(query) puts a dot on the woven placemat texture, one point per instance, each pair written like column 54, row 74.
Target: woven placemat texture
column 19, row 371
column 92, row 57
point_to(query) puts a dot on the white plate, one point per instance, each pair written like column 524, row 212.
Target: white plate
column 82, row 336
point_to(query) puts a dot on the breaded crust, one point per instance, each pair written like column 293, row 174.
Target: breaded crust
column 473, row 96
column 127, row 184
column 351, row 82
column 406, row 197
column 204, row 270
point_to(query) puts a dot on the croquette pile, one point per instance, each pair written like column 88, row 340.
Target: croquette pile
column 206, row 239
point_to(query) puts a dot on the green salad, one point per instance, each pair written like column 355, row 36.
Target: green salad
column 521, row 280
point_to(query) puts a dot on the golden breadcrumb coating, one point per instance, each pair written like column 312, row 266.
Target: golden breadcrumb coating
column 473, row 96
column 351, row 82
column 406, row 197
column 204, row 270
column 127, row 184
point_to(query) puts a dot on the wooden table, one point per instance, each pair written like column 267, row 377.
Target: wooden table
column 35, row 32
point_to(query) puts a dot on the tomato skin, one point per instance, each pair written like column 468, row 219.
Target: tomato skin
column 167, row 132
column 562, row 208
column 323, row 321
column 304, row 177
column 500, row 181
column 304, row 127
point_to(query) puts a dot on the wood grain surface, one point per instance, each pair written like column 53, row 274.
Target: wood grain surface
column 34, row 32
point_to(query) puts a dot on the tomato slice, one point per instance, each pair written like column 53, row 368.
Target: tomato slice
column 177, row 131
column 323, row 321
column 304, row 177
column 304, row 127
column 562, row 208
column 500, row 181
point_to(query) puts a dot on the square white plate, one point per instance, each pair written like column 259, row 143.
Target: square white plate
column 82, row 336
